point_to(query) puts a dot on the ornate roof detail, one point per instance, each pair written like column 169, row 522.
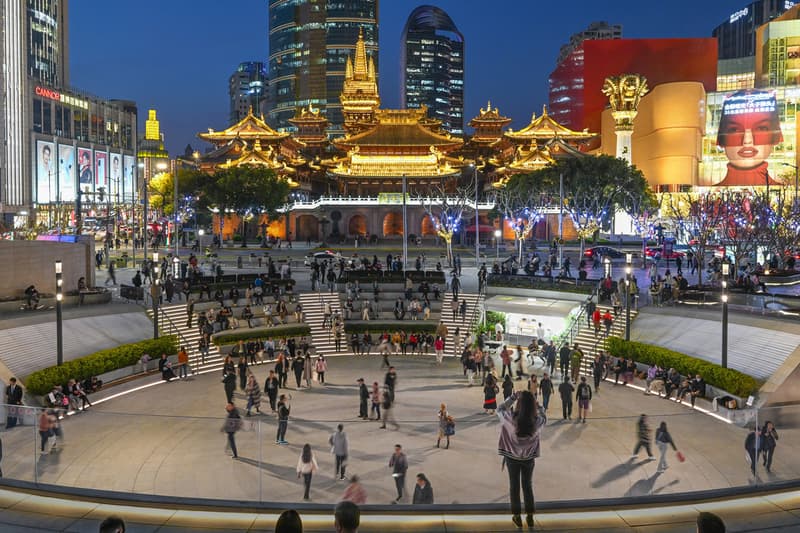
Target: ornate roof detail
column 490, row 114
column 399, row 128
column 359, row 96
column 249, row 128
column 543, row 128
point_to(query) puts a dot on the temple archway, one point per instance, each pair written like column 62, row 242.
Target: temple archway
column 427, row 227
column 393, row 224
column 306, row 227
column 357, row 225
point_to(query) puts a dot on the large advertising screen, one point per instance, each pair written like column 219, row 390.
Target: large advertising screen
column 86, row 170
column 66, row 172
column 46, row 178
column 101, row 170
column 750, row 138
column 127, row 177
column 115, row 176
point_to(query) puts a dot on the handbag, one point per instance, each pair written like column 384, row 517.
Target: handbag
column 681, row 457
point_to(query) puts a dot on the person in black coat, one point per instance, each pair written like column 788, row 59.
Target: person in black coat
column 423, row 492
column 165, row 368
column 271, row 386
column 768, row 442
column 229, row 378
column 297, row 366
column 752, row 446
column 13, row 397
column 363, row 395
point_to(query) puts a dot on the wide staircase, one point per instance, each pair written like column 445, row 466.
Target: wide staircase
column 313, row 310
column 591, row 344
column 473, row 315
column 175, row 324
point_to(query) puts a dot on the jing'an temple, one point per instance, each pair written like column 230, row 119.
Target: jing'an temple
column 352, row 186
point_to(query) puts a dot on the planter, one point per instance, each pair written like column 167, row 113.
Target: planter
column 537, row 293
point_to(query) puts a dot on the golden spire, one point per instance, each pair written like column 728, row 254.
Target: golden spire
column 360, row 63
column 544, row 110
column 348, row 69
column 371, row 70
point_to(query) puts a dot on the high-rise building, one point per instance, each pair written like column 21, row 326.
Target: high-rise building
column 47, row 37
column 247, row 89
column 576, row 97
column 595, row 31
column 309, row 43
column 432, row 66
column 736, row 36
column 777, row 56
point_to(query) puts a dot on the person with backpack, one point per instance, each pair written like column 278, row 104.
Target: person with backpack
column 584, row 397
column 663, row 438
column 546, row 389
column 520, row 430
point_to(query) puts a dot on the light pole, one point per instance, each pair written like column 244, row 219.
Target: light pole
column 477, row 218
column 155, row 293
column 405, row 227
column 628, row 271
column 497, row 235
column 175, row 209
column 59, row 297
column 606, row 266
column 725, row 267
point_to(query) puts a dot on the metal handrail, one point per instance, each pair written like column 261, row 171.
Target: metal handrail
column 173, row 330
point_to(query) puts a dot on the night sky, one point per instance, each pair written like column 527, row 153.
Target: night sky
column 176, row 55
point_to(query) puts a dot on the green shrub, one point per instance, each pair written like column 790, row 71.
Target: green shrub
column 492, row 318
column 543, row 284
column 375, row 326
column 275, row 332
column 42, row 381
column 727, row 379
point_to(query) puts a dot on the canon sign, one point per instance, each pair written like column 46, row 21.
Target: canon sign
column 48, row 93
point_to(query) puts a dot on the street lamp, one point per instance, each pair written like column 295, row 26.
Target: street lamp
column 474, row 167
column 405, row 228
column 155, row 293
column 497, row 235
column 725, row 267
column 628, row 271
column 59, row 298
column 606, row 266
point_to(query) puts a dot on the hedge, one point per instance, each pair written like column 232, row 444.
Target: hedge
column 729, row 380
column 431, row 276
column 542, row 283
column 275, row 332
column 375, row 326
column 41, row 382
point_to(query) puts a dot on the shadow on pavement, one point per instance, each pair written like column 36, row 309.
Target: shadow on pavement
column 616, row 472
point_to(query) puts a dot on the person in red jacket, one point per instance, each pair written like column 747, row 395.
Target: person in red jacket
column 596, row 317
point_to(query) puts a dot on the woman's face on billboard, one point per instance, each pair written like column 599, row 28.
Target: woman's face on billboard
column 748, row 139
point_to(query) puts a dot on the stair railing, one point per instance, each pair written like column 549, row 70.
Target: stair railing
column 173, row 329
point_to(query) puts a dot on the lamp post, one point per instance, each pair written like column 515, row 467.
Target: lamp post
column 628, row 271
column 155, row 293
column 477, row 218
column 405, row 227
column 59, row 297
column 606, row 266
column 725, row 267
column 175, row 209
column 497, row 235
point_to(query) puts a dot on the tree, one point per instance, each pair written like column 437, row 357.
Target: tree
column 593, row 188
column 161, row 188
column 699, row 217
column 523, row 202
column 778, row 221
column 446, row 211
column 246, row 190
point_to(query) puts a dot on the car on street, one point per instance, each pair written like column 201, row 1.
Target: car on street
column 652, row 251
column 596, row 252
column 319, row 257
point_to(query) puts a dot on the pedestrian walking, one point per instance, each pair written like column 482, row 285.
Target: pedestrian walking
column 45, row 432
column 183, row 363
column 663, row 439
column 375, row 397
column 354, row 492
column 423, row 492
column 321, row 367
column 253, row 392
column 306, row 466
column 283, row 418
column 340, row 448
column 520, row 430
column 229, row 378
column 271, row 386
column 565, row 390
column 643, row 434
column 298, row 365
column 546, row 390
column 363, row 397
column 490, row 390
column 189, row 312
column 584, row 397
column 112, row 275
column 233, row 423
column 388, row 410
column 508, row 387
column 575, row 358
column 768, row 441
column 399, row 465
column 242, row 368
column 446, row 426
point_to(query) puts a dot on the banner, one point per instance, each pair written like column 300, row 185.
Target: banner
column 66, row 172
column 100, row 170
column 115, row 176
column 128, row 185
column 86, row 175
column 46, row 183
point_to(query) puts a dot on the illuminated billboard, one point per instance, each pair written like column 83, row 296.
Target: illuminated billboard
column 127, row 178
column 46, row 179
column 66, row 172
column 115, row 175
column 750, row 135
column 86, row 172
column 101, row 169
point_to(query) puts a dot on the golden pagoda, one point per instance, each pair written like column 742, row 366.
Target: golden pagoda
column 544, row 128
column 311, row 125
column 359, row 96
column 488, row 126
column 249, row 128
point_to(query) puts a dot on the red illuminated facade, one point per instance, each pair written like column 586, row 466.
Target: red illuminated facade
column 576, row 98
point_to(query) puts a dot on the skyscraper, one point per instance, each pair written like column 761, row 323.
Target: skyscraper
column 309, row 43
column 247, row 89
column 595, row 30
column 432, row 66
column 33, row 48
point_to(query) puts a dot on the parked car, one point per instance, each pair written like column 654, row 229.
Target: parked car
column 322, row 256
column 596, row 252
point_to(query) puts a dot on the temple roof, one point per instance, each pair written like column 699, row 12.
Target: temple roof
column 400, row 127
column 543, row 128
column 249, row 128
column 489, row 116
column 308, row 115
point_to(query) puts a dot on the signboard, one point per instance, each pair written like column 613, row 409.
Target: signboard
column 46, row 184
column 391, row 198
column 66, row 172
column 85, row 170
